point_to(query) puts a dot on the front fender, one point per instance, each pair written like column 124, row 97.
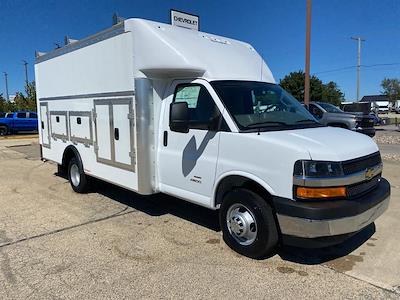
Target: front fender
column 250, row 176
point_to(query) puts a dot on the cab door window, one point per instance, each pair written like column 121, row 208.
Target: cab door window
column 315, row 111
column 203, row 113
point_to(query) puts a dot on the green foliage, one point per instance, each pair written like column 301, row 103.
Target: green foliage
column 329, row 92
column 21, row 101
column 391, row 88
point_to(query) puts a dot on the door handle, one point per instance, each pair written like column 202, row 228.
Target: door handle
column 116, row 134
column 165, row 140
column 42, row 125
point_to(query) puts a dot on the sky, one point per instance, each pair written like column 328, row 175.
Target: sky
column 276, row 28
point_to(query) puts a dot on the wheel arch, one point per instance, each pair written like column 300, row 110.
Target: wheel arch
column 68, row 154
column 231, row 180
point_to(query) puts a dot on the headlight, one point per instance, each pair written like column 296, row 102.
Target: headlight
column 318, row 169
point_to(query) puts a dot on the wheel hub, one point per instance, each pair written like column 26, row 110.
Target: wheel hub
column 75, row 175
column 241, row 224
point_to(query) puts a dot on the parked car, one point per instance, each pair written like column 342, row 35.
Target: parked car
column 383, row 106
column 18, row 121
column 377, row 119
column 330, row 115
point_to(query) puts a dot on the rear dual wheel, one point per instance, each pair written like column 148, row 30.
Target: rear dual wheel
column 248, row 224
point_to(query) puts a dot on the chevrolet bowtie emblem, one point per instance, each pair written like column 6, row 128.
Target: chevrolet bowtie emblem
column 369, row 173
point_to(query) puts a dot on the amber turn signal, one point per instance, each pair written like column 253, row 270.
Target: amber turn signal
column 318, row 193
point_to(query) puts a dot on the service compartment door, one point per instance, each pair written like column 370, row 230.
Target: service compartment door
column 80, row 127
column 102, row 110
column 114, row 124
column 44, row 124
column 59, row 125
column 122, row 133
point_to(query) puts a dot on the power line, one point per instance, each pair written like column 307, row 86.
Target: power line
column 377, row 65
column 335, row 70
column 351, row 67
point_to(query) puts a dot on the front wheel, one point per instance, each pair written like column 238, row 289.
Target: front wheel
column 77, row 177
column 248, row 224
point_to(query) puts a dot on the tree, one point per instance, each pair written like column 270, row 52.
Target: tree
column 391, row 88
column 6, row 106
column 294, row 84
column 27, row 102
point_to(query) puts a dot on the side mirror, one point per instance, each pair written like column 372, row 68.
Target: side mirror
column 179, row 117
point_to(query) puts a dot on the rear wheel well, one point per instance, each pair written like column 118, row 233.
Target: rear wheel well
column 69, row 153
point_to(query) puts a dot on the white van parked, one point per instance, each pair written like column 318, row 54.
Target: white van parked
column 156, row 108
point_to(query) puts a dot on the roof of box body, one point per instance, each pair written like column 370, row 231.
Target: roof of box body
column 166, row 50
column 163, row 50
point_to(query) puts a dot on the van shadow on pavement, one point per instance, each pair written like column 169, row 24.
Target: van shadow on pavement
column 161, row 204
column 157, row 205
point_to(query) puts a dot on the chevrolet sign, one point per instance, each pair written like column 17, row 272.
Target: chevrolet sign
column 185, row 20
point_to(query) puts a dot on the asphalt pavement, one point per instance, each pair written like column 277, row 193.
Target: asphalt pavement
column 114, row 244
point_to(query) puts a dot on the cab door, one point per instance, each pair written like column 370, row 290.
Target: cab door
column 187, row 161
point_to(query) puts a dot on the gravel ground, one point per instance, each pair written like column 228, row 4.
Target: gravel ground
column 388, row 140
column 387, row 137
column 113, row 244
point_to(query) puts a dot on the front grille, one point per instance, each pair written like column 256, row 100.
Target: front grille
column 367, row 122
column 361, row 164
column 359, row 189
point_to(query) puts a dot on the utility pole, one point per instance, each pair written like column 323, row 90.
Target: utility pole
column 359, row 40
column 26, row 72
column 6, row 80
column 307, row 67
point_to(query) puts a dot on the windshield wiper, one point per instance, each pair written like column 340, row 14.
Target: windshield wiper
column 308, row 121
column 267, row 122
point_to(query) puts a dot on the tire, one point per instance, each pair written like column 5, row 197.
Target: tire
column 77, row 177
column 248, row 224
column 3, row 130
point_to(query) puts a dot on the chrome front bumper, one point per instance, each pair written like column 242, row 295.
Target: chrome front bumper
column 308, row 228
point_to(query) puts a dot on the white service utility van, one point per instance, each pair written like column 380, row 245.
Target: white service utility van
column 157, row 108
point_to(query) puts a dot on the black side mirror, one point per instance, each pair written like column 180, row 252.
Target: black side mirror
column 179, row 117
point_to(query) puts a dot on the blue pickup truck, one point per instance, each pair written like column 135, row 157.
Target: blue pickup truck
column 13, row 122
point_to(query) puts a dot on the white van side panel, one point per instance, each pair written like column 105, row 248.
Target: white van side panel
column 102, row 67
column 68, row 87
column 125, row 177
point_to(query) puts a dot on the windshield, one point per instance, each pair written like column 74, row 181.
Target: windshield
column 262, row 105
column 330, row 107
